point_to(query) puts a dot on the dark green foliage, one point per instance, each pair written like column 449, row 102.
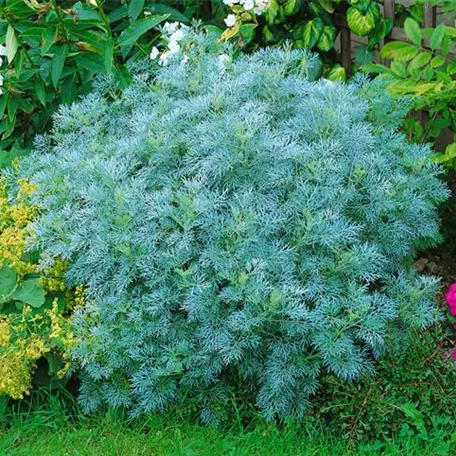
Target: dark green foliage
column 414, row 391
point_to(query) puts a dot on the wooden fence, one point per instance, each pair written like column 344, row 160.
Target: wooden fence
column 397, row 34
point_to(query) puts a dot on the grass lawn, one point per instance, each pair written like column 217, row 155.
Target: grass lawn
column 50, row 432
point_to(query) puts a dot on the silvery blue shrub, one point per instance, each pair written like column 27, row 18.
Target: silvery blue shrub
column 235, row 225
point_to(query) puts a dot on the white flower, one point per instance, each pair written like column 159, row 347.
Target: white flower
column 1, row 61
column 230, row 2
column 177, row 35
column 170, row 27
column 164, row 58
column 248, row 4
column 154, row 53
column 261, row 6
column 1, row 80
column 1, row 91
column 185, row 59
column 147, row 13
column 2, row 50
column 230, row 20
column 173, row 47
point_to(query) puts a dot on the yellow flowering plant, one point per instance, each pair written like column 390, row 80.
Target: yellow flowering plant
column 35, row 308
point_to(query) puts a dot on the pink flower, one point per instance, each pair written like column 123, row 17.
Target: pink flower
column 453, row 353
column 450, row 297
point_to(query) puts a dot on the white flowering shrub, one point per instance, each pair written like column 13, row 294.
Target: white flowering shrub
column 235, row 226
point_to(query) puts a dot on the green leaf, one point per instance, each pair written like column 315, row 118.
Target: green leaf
column 132, row 33
column 437, row 61
column 327, row 5
column 312, row 31
column 327, row 38
column 40, row 91
column 7, row 157
column 58, row 62
column 422, row 59
column 174, row 14
column 376, row 68
column 55, row 363
column 451, row 68
column 398, row 50
column 11, row 43
column 383, row 28
column 30, row 292
column 49, row 36
column 69, row 89
column 364, row 55
column 448, row 156
column 437, row 36
column 8, row 280
column 413, row 31
column 108, row 55
column 92, row 63
column 337, row 73
column 361, row 24
column 290, row 7
column 134, row 9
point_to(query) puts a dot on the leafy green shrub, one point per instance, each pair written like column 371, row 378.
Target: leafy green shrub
column 311, row 24
column 234, row 225
column 34, row 309
column 51, row 51
column 424, row 69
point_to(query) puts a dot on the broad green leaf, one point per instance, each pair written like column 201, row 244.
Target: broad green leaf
column 448, row 156
column 437, row 61
column 247, row 32
column 451, row 68
column 58, row 62
column 362, row 24
column 271, row 12
column 7, row 157
column 11, row 43
column 69, row 89
column 402, row 87
column 132, row 33
column 383, row 28
column 399, row 69
column 7, row 281
column 397, row 50
column 290, row 7
column 435, row 41
column 327, row 38
column 108, row 55
column 364, row 55
column 327, row 5
column 376, row 68
column 313, row 67
column 312, row 31
column 55, row 363
column 134, row 9
column 413, row 31
column 174, row 14
column 92, row 62
column 422, row 59
column 337, row 73
column 40, row 92
column 49, row 37
column 30, row 292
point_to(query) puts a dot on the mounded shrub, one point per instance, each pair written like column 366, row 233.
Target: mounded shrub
column 234, row 224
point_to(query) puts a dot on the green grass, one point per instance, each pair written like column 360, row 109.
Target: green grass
column 54, row 430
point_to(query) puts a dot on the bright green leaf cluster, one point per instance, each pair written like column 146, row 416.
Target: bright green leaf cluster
column 424, row 69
